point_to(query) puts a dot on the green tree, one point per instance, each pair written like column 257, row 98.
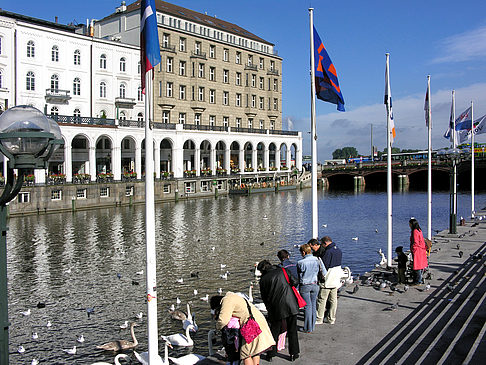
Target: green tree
column 345, row 152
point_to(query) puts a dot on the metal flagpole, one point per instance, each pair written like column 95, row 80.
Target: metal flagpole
column 315, row 220
column 153, row 344
column 472, row 160
column 429, row 170
column 388, row 165
column 454, row 163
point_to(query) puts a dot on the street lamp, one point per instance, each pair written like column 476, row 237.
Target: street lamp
column 454, row 156
column 28, row 139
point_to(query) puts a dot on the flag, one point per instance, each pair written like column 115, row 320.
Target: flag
column 427, row 105
column 149, row 38
column 479, row 128
column 327, row 84
column 464, row 120
column 388, row 103
column 449, row 134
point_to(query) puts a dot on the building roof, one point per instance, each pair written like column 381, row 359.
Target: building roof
column 45, row 23
column 194, row 16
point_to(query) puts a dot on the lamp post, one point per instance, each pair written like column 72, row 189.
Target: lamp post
column 28, row 139
column 454, row 156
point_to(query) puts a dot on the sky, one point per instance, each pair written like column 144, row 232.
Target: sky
column 441, row 38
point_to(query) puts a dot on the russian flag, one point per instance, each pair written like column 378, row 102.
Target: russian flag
column 149, row 38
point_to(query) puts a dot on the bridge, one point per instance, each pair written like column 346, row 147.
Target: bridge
column 405, row 174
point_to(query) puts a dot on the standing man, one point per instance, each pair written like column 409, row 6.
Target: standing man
column 331, row 256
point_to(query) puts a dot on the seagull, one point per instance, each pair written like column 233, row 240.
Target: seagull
column 213, row 248
column 274, row 233
column 224, row 276
column 49, row 324
column 90, row 311
column 80, row 339
column 265, row 217
column 195, row 291
column 405, row 288
column 325, row 225
column 26, row 313
column 180, row 281
column 220, row 291
column 222, row 266
column 354, row 238
column 68, row 271
column 124, row 325
column 178, row 301
column 376, row 230
column 172, row 308
column 140, row 272
column 21, row 349
column 205, row 298
column 35, row 336
column 70, row 351
column 140, row 315
column 34, row 361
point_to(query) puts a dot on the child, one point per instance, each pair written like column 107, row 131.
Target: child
column 402, row 265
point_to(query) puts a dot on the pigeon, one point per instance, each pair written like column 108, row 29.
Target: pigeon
column 428, row 276
column 427, row 287
column 355, row 289
column 393, row 307
column 382, row 285
column 458, row 246
column 461, row 254
column 450, row 288
column 405, row 287
column 90, row 311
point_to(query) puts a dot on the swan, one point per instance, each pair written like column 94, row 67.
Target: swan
column 117, row 362
column 178, row 301
column 70, row 351
column 190, row 320
column 220, row 291
column 143, row 358
column 121, row 344
column 189, row 359
column 213, row 358
column 195, row 291
column 177, row 314
column 260, row 306
column 180, row 339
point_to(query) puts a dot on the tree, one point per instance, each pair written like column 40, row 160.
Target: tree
column 345, row 152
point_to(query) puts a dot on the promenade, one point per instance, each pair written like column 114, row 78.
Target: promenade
column 443, row 325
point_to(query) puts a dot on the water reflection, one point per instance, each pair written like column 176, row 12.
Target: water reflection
column 90, row 259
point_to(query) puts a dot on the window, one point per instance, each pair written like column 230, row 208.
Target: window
column 212, row 51
column 238, row 78
column 166, row 188
column 275, row 104
column 212, row 96
column 226, row 55
column 54, row 82
column 190, row 187
column 275, row 84
column 56, row 194
column 182, row 68
column 168, row 89
column 129, row 190
column 197, row 48
column 225, row 122
column 225, row 97
column 80, row 193
column 23, row 197
column 182, row 118
column 193, row 69
column 77, row 113
column 205, row 187
column 139, row 93
column 253, row 80
column 30, row 81
column 212, row 72
column 54, row 110
column 261, row 123
column 182, row 92
column 102, row 89
column 103, row 61
column 77, row 57
column 123, row 64
column 104, row 192
column 123, row 116
column 261, row 103
column 160, row 89
column 200, row 72
column 30, row 49
column 169, row 63
column 272, row 65
column 225, row 76
column 272, row 125
column 182, row 44
column 253, row 101
column 165, row 116
column 250, row 123
column 140, row 117
column 238, row 100
column 238, row 122
column 212, row 120
column 250, row 60
column 262, row 83
column 262, row 63
column 166, row 40
column 123, row 91
column 200, row 95
column 238, row 58
column 77, row 86
column 197, row 119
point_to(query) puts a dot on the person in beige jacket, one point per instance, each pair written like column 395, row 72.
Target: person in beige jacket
column 233, row 305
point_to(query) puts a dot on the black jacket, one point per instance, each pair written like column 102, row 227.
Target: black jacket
column 278, row 295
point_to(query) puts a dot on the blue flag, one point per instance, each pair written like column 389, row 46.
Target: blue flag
column 149, row 38
column 464, row 120
column 327, row 84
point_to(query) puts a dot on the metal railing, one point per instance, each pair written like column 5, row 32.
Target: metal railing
column 167, row 48
column 82, row 120
column 272, row 72
column 284, row 133
column 251, row 67
column 248, row 130
column 198, row 54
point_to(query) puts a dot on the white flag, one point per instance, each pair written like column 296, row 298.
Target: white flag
column 479, row 128
column 388, row 103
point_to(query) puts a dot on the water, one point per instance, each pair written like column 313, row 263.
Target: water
column 96, row 246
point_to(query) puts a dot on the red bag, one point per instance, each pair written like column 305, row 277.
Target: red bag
column 251, row 329
column 302, row 303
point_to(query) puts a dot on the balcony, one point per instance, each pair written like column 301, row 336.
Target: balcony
column 200, row 127
column 167, row 48
column 70, row 119
column 251, row 67
column 198, row 54
column 248, row 130
column 284, row 133
column 273, row 72
column 57, row 96
column 126, row 103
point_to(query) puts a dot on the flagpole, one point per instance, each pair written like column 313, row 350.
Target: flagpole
column 429, row 170
column 388, row 167
column 153, row 345
column 315, row 220
column 454, row 163
column 472, row 160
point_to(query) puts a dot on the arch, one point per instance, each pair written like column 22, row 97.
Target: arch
column 272, row 158
column 77, row 113
column 30, row 81
column 80, row 146
column 103, row 155
column 55, row 165
column 248, row 155
column 234, row 156
column 220, row 149
column 122, row 115
column 166, row 165
column 140, row 117
column 55, row 82
column 282, row 159
column 55, row 53
column 30, row 49
column 189, row 150
column 122, row 90
column 128, row 148
column 293, row 155
column 260, row 156
column 205, row 154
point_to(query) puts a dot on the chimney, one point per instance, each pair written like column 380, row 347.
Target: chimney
column 56, row 19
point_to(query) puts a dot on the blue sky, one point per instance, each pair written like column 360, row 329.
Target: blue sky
column 445, row 39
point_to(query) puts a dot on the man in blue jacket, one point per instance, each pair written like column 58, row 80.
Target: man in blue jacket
column 331, row 256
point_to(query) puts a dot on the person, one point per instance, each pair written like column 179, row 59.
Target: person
column 281, row 304
column 308, row 268
column 233, row 305
column 331, row 256
column 284, row 257
column 402, row 265
column 418, row 249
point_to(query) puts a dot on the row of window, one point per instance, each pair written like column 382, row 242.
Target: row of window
column 166, row 118
column 199, row 94
column 198, row 50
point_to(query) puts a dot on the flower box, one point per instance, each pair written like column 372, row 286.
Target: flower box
column 249, row 169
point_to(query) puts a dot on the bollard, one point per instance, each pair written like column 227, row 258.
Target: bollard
column 215, row 193
column 73, row 205
column 176, row 196
column 130, row 201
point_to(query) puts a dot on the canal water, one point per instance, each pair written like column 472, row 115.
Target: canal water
column 93, row 259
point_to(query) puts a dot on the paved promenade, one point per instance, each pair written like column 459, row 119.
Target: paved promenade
column 443, row 325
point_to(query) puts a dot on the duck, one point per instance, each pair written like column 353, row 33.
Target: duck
column 117, row 361
column 121, row 344
column 179, row 339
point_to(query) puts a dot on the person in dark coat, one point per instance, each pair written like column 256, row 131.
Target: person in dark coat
column 282, row 306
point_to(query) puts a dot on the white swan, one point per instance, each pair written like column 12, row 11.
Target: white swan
column 260, row 306
column 257, row 272
column 179, row 339
column 190, row 320
column 121, row 344
column 189, row 359
column 117, row 362
column 143, row 358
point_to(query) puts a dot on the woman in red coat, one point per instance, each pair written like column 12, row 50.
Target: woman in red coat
column 418, row 249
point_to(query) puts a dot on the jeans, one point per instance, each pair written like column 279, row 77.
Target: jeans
column 418, row 277
column 309, row 293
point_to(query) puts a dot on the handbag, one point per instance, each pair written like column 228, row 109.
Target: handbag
column 251, row 329
column 300, row 301
column 321, row 278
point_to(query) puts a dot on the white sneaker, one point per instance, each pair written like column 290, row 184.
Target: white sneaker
column 319, row 321
column 326, row 320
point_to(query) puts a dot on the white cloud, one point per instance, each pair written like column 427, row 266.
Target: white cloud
column 463, row 47
column 353, row 128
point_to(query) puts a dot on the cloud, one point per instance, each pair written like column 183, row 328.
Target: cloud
column 353, row 128
column 466, row 46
